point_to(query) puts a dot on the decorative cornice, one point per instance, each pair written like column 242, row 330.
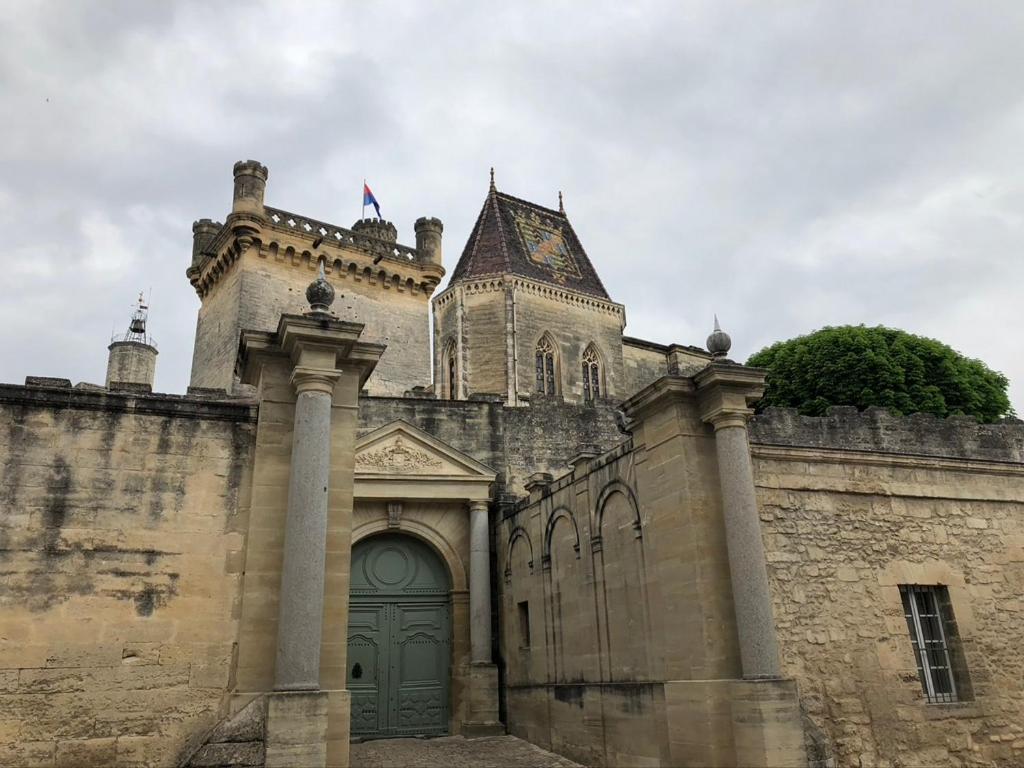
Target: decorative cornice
column 499, row 283
column 345, row 253
column 883, row 459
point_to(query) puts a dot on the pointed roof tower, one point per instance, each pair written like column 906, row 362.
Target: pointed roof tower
column 514, row 236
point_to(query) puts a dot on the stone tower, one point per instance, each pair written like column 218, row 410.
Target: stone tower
column 525, row 314
column 255, row 267
column 132, row 358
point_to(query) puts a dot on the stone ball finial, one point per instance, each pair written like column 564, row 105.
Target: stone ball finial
column 718, row 342
column 320, row 293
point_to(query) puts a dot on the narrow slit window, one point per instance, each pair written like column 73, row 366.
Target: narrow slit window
column 524, row 624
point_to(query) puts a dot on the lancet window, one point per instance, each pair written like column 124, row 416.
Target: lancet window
column 451, row 369
column 545, row 364
column 591, row 374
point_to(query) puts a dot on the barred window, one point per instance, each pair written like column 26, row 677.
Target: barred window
column 591, row 374
column 545, row 364
column 935, row 639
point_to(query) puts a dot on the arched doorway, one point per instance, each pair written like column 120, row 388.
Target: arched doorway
column 399, row 638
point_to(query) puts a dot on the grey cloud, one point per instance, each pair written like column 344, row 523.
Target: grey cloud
column 787, row 166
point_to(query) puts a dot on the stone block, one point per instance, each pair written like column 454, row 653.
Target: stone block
column 296, row 732
column 86, row 753
column 767, row 726
column 242, row 754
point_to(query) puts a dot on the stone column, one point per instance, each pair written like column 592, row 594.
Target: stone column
column 759, row 650
column 479, row 584
column 297, row 665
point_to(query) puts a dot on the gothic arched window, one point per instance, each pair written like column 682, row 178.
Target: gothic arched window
column 545, row 365
column 591, row 374
column 451, row 371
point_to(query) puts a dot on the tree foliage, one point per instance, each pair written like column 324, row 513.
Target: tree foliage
column 855, row 365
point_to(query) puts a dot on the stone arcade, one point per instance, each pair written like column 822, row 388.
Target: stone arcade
column 528, row 523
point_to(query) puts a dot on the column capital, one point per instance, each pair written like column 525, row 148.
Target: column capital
column 478, row 506
column 723, row 418
column 725, row 392
column 306, row 379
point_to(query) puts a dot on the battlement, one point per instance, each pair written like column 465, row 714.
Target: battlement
column 377, row 238
column 880, row 430
column 377, row 228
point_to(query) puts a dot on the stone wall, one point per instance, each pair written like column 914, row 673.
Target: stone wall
column 497, row 324
column 515, row 442
column 643, row 363
column 269, row 280
column 217, row 333
column 583, row 672
column 121, row 547
column 573, row 327
column 854, row 505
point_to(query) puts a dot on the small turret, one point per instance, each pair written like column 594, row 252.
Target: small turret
column 428, row 239
column 378, row 229
column 250, row 186
column 132, row 360
column 203, row 233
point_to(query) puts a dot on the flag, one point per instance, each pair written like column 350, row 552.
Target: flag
column 369, row 199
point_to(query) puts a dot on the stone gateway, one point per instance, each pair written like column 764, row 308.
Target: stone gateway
column 386, row 511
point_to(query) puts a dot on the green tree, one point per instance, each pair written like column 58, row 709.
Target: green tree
column 855, row 365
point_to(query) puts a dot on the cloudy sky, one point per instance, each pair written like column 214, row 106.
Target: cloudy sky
column 786, row 165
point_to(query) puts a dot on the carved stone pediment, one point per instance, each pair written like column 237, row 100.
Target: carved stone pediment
column 400, row 449
column 398, row 457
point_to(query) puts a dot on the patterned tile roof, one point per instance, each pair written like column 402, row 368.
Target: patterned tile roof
column 514, row 236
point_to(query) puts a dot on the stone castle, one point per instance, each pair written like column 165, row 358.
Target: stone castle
column 381, row 511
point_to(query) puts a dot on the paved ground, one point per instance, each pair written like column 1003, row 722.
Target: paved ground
column 455, row 752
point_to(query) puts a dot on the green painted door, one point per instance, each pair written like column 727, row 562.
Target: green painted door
column 399, row 638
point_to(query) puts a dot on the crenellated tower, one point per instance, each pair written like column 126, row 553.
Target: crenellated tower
column 255, row 266
column 525, row 314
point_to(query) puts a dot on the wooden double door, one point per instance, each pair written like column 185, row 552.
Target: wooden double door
column 399, row 639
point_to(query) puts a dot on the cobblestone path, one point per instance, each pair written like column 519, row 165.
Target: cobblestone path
column 455, row 752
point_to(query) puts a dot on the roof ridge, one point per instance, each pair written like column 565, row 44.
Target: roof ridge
column 552, row 211
column 501, row 229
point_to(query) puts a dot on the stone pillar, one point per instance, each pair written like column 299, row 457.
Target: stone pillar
column 297, row 666
column 482, row 715
column 759, row 649
column 725, row 390
column 479, row 584
column 307, row 375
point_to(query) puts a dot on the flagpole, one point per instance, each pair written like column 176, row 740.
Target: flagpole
column 363, row 193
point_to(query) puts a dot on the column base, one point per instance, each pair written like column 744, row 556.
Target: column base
column 766, row 724
column 752, row 723
column 482, row 710
column 296, row 735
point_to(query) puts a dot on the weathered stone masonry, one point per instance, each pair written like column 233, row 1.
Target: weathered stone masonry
column 121, row 551
column 855, row 504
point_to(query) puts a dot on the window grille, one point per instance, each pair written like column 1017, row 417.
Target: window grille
column 545, row 364
column 933, row 635
column 591, row 375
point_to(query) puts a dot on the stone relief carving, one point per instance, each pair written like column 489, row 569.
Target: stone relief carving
column 398, row 458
